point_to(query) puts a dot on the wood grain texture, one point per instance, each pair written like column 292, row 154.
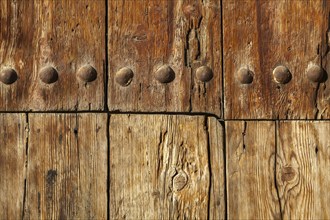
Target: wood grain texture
column 263, row 34
column 165, row 167
column 63, row 34
column 250, row 148
column 182, row 34
column 303, row 161
column 12, row 165
column 67, row 167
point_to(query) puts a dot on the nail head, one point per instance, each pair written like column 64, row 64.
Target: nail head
column 315, row 73
column 165, row 74
column 87, row 73
column 124, row 76
column 245, row 76
column 204, row 74
column 282, row 74
column 48, row 75
column 8, row 76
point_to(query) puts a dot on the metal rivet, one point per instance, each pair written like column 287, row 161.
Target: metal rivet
column 282, row 74
column 165, row 74
column 245, row 76
column 48, row 75
column 8, row 76
column 204, row 74
column 315, row 73
column 87, row 73
column 124, row 76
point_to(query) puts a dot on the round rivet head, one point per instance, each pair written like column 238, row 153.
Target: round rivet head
column 315, row 73
column 124, row 76
column 48, row 75
column 245, row 76
column 87, row 73
column 204, row 74
column 8, row 76
column 165, row 74
column 282, row 74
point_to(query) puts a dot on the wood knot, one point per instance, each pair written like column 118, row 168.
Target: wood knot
column 288, row 174
column 179, row 181
column 191, row 10
column 51, row 177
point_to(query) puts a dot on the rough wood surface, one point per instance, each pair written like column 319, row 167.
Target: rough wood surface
column 12, row 165
column 303, row 161
column 64, row 34
column 250, row 148
column 67, row 167
column 263, row 34
column 166, row 167
column 182, row 34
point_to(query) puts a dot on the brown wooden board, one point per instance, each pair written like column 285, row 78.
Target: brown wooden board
column 67, row 167
column 251, row 188
column 303, row 161
column 64, row 34
column 260, row 35
column 12, row 165
column 166, row 167
column 146, row 34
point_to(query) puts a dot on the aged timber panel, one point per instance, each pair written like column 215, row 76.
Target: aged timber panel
column 65, row 35
column 166, row 167
column 163, row 54
column 12, row 165
column 67, row 167
column 261, row 35
column 251, row 170
column 303, row 161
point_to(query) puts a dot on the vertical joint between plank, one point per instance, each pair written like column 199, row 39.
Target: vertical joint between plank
column 108, row 166
column 106, row 62
column 27, row 131
column 225, row 168
column 222, row 64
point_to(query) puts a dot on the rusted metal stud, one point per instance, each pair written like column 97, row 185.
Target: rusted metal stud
column 204, row 74
column 48, row 75
column 282, row 74
column 245, row 76
column 315, row 73
column 8, row 76
column 124, row 76
column 87, row 73
column 165, row 74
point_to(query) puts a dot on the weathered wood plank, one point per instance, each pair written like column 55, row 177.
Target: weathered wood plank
column 67, row 167
column 64, row 34
column 166, row 167
column 251, row 170
column 12, row 165
column 182, row 34
column 303, row 161
column 261, row 35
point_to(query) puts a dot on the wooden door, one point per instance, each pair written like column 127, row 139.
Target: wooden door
column 176, row 109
